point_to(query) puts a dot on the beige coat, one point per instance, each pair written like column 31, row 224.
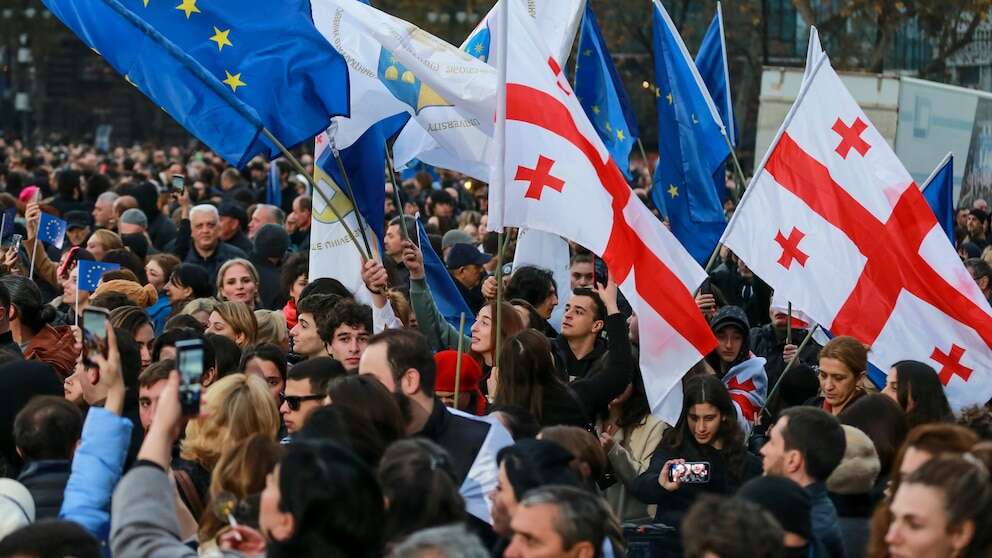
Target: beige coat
column 629, row 457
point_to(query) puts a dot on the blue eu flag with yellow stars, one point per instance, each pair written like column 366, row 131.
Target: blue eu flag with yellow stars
column 224, row 70
column 601, row 93
column 51, row 230
column 90, row 272
column 691, row 146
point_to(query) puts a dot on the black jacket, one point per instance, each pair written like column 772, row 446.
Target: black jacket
column 46, row 481
column 211, row 265
column 752, row 294
column 769, row 343
column 241, row 242
column 461, row 437
column 7, row 342
column 270, row 283
column 672, row 506
column 571, row 367
column 161, row 230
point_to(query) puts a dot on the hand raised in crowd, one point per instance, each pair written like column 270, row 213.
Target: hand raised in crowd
column 12, row 261
column 375, row 276
column 110, row 378
column 32, row 213
column 413, row 259
column 665, row 480
column 608, row 293
column 184, row 201
column 706, row 303
column 489, row 288
column 606, row 441
column 789, row 352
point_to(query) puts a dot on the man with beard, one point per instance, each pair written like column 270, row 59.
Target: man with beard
column 401, row 359
column 806, row 445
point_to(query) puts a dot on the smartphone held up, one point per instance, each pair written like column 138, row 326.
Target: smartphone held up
column 189, row 362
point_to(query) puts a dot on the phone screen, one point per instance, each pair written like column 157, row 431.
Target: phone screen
column 94, row 333
column 178, row 183
column 15, row 242
column 690, row 472
column 189, row 357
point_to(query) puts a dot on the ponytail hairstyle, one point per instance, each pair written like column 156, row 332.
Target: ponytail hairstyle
column 32, row 312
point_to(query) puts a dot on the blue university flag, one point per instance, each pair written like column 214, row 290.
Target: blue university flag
column 365, row 162
column 223, row 70
column 446, row 295
column 711, row 61
column 273, row 190
column 691, row 146
column 939, row 192
column 51, row 230
column 601, row 93
column 89, row 274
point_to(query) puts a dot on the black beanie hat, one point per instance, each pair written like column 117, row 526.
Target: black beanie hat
column 271, row 241
column 788, row 502
column 534, row 463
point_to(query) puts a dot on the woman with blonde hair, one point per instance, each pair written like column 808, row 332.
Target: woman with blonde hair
column 272, row 329
column 235, row 321
column 237, row 281
column 239, row 474
column 200, row 308
column 232, row 410
column 103, row 241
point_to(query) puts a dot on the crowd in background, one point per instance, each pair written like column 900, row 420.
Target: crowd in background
column 335, row 423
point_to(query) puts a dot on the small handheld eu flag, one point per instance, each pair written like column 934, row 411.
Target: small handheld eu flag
column 90, row 272
column 51, row 230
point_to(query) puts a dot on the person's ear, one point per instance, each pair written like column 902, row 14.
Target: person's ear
column 585, row 549
column 240, row 339
column 410, row 382
column 209, row 376
column 598, row 325
column 11, row 313
column 283, row 528
column 962, row 536
column 793, row 461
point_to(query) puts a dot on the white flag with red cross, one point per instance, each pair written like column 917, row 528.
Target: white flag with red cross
column 834, row 223
column 557, row 176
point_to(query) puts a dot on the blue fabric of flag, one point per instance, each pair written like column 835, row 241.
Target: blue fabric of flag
column 601, row 94
column 446, row 295
column 691, row 146
column 365, row 163
column 51, row 230
column 223, row 70
column 89, row 274
column 939, row 193
column 711, row 61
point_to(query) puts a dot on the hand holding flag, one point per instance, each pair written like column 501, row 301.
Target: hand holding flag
column 51, row 230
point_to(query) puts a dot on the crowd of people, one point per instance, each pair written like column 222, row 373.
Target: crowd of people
column 336, row 423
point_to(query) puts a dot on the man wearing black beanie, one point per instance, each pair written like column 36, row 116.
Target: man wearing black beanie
column 789, row 504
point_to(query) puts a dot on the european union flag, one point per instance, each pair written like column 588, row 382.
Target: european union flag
column 273, row 190
column 365, row 163
column 711, row 61
column 90, row 272
column 691, row 146
column 939, row 192
column 446, row 295
column 601, row 93
column 223, row 70
column 51, row 230
column 8, row 217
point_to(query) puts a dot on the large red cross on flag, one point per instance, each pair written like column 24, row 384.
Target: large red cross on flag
column 871, row 261
column 557, row 176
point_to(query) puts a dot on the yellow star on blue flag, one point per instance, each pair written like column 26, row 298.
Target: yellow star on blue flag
column 89, row 274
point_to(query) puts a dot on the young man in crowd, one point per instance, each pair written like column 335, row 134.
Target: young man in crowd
column 806, row 445
column 346, row 332
column 579, row 345
column 46, row 432
column 306, row 387
column 312, row 311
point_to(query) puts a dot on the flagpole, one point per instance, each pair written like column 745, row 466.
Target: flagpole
column 741, row 181
column 803, row 89
column 501, row 60
column 313, row 185
column 362, row 223
column 458, row 363
column 37, row 229
column 396, row 195
column 806, row 340
column 933, row 174
column 647, row 165
column 788, row 330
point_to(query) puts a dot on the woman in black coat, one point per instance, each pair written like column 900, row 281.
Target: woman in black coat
column 707, row 431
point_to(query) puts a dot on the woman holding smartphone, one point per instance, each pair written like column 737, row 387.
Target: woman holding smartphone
column 707, row 432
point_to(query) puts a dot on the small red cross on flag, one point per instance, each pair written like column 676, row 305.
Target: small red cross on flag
column 790, row 248
column 882, row 271
column 850, row 137
column 539, row 178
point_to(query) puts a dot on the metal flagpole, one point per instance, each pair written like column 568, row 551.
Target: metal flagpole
column 788, row 331
column 313, row 185
column 644, row 155
column 806, row 340
column 396, row 194
column 501, row 62
column 458, row 363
